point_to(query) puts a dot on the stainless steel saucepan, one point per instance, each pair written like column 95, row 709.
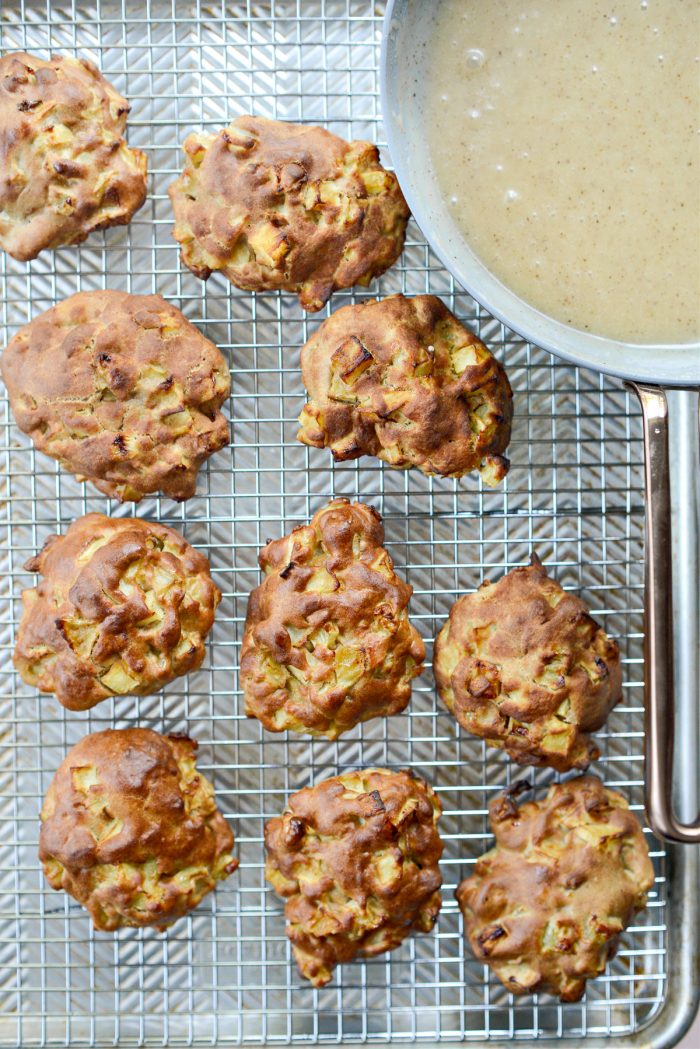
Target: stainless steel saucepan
column 649, row 370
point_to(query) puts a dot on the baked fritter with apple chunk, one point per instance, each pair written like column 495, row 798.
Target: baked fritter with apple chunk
column 545, row 908
column 402, row 379
column 123, row 608
column 327, row 641
column 122, row 390
column 524, row 665
column 357, row 860
column 274, row 205
column 131, row 829
column 65, row 167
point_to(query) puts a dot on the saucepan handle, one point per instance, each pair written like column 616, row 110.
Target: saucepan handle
column 660, row 700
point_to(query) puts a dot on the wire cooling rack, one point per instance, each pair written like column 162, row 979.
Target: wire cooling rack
column 574, row 495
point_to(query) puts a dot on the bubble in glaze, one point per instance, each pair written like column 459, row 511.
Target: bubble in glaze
column 475, row 58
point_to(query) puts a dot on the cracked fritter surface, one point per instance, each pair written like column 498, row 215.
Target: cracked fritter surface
column 356, row 858
column 327, row 640
column 65, row 168
column 131, row 830
column 402, row 379
column 123, row 607
column 275, row 205
column 545, row 907
column 525, row 666
column 122, row 390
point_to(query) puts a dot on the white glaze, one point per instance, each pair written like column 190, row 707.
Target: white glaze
column 566, row 135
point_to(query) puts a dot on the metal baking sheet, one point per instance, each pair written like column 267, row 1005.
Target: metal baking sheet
column 574, row 494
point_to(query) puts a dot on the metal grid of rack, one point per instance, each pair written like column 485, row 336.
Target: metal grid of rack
column 574, row 495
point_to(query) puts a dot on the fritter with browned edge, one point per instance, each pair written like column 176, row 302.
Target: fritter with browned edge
column 131, row 830
column 123, row 607
column 356, row 858
column 524, row 665
column 546, row 906
column 122, row 390
column 327, row 640
column 65, row 168
column 274, row 205
column 402, row 379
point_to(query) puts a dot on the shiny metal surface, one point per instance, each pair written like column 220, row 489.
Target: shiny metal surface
column 575, row 495
column 660, row 715
column 406, row 30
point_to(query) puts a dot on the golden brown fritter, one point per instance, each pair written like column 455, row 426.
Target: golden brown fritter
column 525, row 666
column 131, row 830
column 327, row 640
column 545, row 907
column 65, row 168
column 402, row 379
column 122, row 390
column 284, row 206
column 356, row 858
column 123, row 608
